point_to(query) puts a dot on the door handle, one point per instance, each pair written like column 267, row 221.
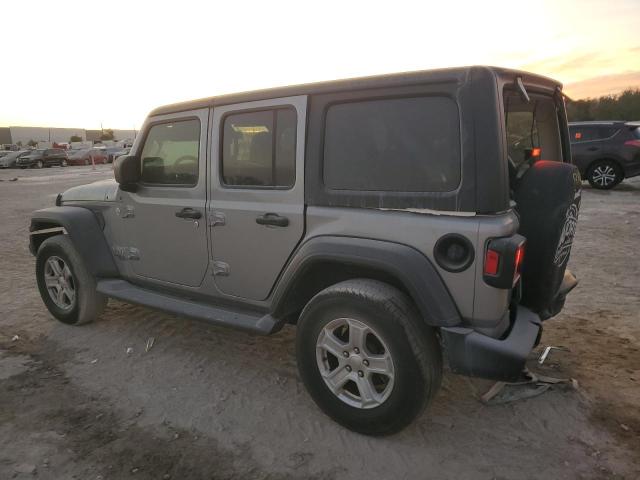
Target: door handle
column 189, row 213
column 272, row 219
column 592, row 149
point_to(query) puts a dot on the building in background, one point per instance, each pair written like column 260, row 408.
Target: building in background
column 5, row 136
column 45, row 135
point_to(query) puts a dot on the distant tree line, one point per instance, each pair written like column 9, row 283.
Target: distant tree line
column 625, row 106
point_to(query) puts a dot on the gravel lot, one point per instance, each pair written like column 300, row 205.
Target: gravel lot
column 209, row 402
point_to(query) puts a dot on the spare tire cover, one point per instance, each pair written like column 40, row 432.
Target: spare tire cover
column 547, row 201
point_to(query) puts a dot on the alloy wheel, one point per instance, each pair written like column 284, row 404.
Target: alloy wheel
column 60, row 283
column 355, row 363
column 604, row 175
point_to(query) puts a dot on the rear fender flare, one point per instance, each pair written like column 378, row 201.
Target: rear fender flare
column 413, row 270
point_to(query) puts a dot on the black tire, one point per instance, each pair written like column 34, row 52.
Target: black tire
column 88, row 304
column 604, row 174
column 547, row 201
column 413, row 346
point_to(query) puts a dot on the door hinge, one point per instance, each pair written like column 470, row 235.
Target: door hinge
column 217, row 218
column 221, row 269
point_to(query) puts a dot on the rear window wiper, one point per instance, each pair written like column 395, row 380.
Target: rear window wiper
column 521, row 90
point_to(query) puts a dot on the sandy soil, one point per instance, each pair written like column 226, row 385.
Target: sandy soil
column 210, row 402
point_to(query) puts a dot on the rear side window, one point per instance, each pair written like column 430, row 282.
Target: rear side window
column 396, row 144
column 259, row 148
column 592, row 132
column 170, row 153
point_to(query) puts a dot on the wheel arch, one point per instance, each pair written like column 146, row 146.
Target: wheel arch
column 327, row 260
column 84, row 230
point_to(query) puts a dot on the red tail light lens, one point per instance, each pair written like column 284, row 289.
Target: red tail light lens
column 633, row 143
column 503, row 260
column 518, row 262
column 491, row 262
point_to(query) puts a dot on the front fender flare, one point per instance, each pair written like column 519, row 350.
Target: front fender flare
column 85, row 232
column 406, row 264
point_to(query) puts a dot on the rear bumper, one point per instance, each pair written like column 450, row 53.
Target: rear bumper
column 474, row 354
column 632, row 170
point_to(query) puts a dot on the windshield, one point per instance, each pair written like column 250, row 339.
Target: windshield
column 532, row 129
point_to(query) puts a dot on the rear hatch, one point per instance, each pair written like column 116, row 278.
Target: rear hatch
column 544, row 189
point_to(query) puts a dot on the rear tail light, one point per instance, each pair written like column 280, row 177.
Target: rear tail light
column 633, row 143
column 491, row 262
column 503, row 261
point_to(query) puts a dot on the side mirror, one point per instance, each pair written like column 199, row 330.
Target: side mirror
column 127, row 172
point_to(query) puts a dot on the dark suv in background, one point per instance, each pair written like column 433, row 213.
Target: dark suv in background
column 43, row 158
column 606, row 152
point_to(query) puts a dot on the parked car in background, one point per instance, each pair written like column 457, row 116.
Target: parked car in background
column 120, row 153
column 43, row 158
column 606, row 152
column 83, row 157
column 111, row 153
column 9, row 160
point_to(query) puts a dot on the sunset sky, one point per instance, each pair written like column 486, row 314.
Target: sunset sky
column 83, row 63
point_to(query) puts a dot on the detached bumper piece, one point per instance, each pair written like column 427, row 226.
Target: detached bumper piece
column 569, row 282
column 474, row 354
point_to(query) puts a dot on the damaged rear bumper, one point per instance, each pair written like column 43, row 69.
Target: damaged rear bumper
column 474, row 354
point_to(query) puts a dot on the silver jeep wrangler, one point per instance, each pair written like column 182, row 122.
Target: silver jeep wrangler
column 400, row 221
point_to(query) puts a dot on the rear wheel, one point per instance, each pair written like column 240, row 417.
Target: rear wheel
column 604, row 174
column 66, row 286
column 366, row 357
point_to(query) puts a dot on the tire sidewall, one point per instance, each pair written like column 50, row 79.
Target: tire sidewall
column 46, row 251
column 405, row 399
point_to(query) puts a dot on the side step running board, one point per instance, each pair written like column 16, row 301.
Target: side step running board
column 125, row 291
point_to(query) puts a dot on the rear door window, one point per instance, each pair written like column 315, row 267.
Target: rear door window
column 394, row 144
column 259, row 148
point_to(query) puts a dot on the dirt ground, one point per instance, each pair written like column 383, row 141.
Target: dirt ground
column 209, row 402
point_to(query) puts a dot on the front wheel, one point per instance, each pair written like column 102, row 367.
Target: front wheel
column 604, row 175
column 366, row 356
column 66, row 286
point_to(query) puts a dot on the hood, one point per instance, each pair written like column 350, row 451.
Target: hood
column 102, row 191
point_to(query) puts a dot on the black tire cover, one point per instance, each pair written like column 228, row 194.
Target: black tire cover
column 547, row 201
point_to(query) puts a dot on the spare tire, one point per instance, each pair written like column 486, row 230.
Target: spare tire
column 547, row 201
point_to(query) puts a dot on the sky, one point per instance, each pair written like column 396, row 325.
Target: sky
column 84, row 64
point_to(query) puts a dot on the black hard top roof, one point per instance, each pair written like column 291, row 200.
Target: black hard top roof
column 444, row 75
